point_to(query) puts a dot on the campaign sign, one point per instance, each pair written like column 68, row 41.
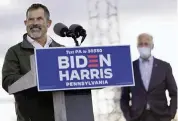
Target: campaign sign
column 83, row 67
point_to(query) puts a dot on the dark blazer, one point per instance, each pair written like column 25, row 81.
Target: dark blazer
column 161, row 80
column 30, row 104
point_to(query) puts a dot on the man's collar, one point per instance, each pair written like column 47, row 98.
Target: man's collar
column 30, row 40
column 149, row 59
column 26, row 44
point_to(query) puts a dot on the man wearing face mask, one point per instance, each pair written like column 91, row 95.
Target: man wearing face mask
column 30, row 104
column 152, row 78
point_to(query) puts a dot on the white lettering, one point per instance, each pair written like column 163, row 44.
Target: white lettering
column 84, row 74
column 85, row 83
column 103, row 60
column 63, row 62
column 80, row 65
column 72, row 62
column 74, row 75
column 108, row 73
column 63, row 75
column 67, row 84
column 101, row 74
column 94, row 73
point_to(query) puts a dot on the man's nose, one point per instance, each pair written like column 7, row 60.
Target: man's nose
column 36, row 21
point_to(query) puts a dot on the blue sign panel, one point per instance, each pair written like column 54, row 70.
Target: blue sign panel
column 83, row 67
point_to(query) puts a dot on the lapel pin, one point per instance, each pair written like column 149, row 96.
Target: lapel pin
column 156, row 65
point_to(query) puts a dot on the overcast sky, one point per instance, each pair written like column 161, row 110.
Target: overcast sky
column 157, row 17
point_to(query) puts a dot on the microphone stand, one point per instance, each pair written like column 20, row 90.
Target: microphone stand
column 81, row 33
column 71, row 34
column 76, row 41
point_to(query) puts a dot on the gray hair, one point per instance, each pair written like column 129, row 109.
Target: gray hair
column 146, row 34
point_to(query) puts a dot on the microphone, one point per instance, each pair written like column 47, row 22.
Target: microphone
column 60, row 29
column 74, row 31
column 78, row 30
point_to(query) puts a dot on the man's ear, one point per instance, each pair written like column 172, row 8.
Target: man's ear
column 152, row 46
column 25, row 22
column 49, row 23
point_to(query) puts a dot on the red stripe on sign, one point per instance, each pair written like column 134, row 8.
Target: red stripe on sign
column 92, row 56
column 92, row 60
column 93, row 65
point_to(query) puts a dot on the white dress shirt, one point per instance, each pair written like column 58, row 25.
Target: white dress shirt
column 37, row 45
column 146, row 67
column 146, row 70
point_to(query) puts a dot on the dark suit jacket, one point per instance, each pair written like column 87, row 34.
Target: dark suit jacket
column 31, row 105
column 161, row 80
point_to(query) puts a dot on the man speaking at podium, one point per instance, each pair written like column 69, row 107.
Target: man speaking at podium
column 152, row 78
column 30, row 104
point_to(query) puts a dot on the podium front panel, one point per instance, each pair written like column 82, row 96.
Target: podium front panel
column 73, row 105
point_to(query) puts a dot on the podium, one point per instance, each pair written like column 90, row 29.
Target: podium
column 69, row 105
column 72, row 73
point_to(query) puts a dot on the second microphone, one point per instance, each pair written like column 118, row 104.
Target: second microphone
column 74, row 30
